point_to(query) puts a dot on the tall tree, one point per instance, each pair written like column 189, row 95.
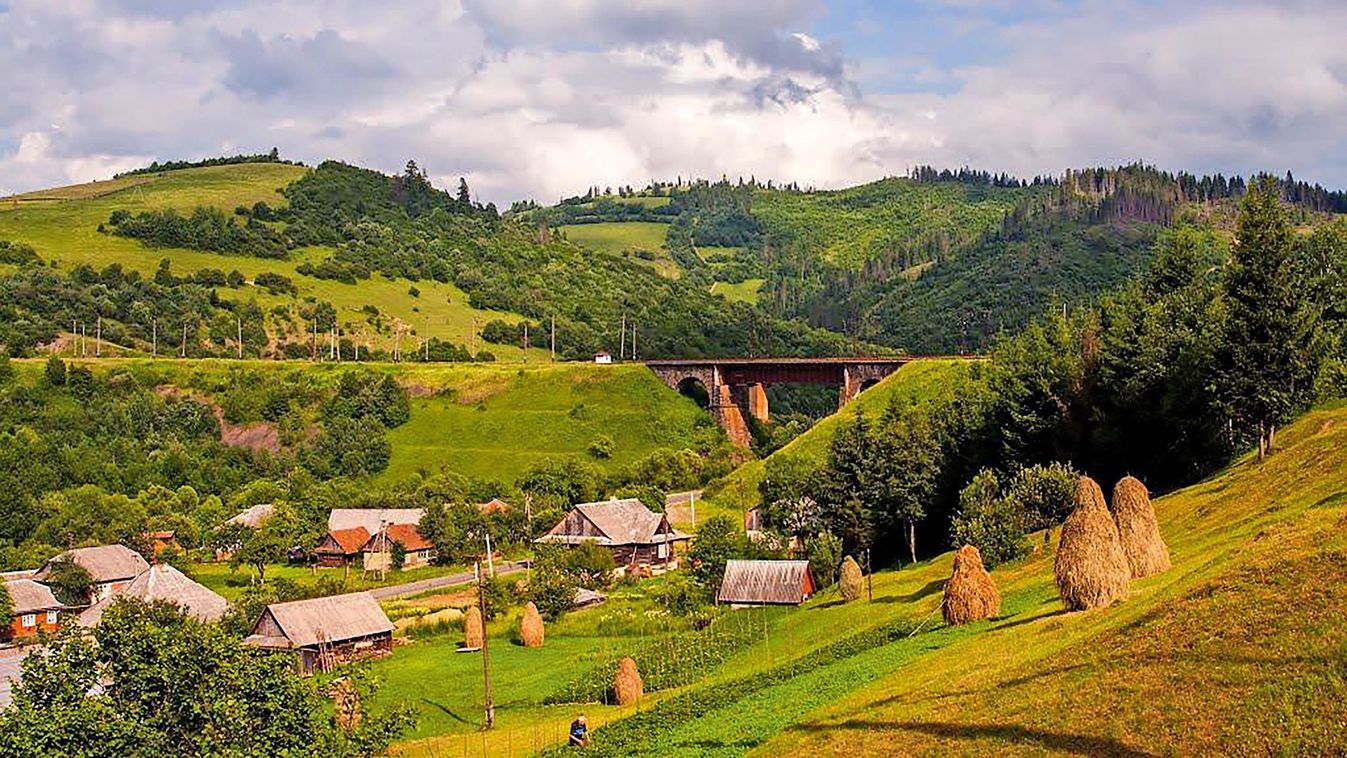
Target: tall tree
column 903, row 472
column 1259, row 366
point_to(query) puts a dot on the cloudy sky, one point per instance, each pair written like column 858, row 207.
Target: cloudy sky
column 539, row 98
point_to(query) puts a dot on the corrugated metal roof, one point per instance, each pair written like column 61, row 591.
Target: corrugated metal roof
column 163, row 582
column 371, row 518
column 620, row 522
column 765, row 582
column 105, row 563
column 330, row 619
column 31, row 597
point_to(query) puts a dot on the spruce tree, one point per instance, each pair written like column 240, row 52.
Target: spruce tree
column 1258, row 367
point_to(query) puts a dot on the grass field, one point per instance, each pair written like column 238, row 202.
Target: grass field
column 229, row 583
column 62, row 224
column 628, row 239
column 741, row 292
column 495, row 421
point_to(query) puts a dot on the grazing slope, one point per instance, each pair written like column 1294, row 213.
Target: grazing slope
column 62, row 225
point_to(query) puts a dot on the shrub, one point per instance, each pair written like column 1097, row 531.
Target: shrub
column 993, row 524
column 602, row 447
column 55, row 371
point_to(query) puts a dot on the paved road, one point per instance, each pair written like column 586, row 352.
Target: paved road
column 417, row 587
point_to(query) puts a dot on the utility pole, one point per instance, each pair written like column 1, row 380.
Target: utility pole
column 427, row 338
column 486, row 653
column 74, row 336
column 313, row 352
column 554, row 338
column 98, row 338
column 239, row 321
column 526, row 342
column 692, row 499
column 633, row 340
column 869, row 577
column 622, row 339
column 184, row 339
column 154, row 337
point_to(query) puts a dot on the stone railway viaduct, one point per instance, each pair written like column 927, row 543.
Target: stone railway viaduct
column 736, row 387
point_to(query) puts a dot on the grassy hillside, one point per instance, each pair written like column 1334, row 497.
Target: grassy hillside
column 62, row 225
column 494, row 421
column 1234, row 650
column 638, row 240
column 917, row 382
column 741, row 292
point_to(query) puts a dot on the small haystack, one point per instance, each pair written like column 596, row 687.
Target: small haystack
column 1145, row 549
column 627, row 684
column 970, row 594
column 474, row 631
column 531, row 627
column 1091, row 569
column 852, row 582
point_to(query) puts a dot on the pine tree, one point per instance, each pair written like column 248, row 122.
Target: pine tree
column 464, row 196
column 1258, row 369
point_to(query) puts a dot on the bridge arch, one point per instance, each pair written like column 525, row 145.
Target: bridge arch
column 693, row 388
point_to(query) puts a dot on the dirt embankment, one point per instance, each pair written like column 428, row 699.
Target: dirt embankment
column 260, row 435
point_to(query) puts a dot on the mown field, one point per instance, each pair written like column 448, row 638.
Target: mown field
column 62, row 225
column 641, row 241
column 1236, row 649
column 739, row 292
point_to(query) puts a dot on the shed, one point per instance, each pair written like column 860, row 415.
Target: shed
column 163, row 582
column 766, row 583
column 325, row 631
column 372, row 519
column 111, row 567
column 635, row 534
column 35, row 609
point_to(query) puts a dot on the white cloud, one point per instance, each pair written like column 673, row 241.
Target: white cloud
column 542, row 98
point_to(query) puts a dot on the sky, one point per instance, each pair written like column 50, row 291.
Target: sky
column 543, row 98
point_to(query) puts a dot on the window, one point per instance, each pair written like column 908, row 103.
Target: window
column 662, row 550
column 51, row 617
column 30, row 619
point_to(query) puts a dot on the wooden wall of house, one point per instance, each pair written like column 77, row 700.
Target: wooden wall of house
column 17, row 631
column 348, row 650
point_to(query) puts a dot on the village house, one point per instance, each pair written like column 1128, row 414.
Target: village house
column 637, row 535
column 111, row 567
column 163, row 582
column 341, row 547
column 766, row 583
column 162, row 541
column 36, row 610
column 325, row 631
column 372, row 519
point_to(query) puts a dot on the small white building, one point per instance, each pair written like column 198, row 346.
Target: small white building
column 603, row 357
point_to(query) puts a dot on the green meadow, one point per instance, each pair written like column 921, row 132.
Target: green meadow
column 62, row 225
column 739, row 292
column 641, row 241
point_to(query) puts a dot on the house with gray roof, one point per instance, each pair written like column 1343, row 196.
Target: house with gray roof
column 373, row 520
column 163, row 582
column 35, row 609
column 111, row 567
column 637, row 535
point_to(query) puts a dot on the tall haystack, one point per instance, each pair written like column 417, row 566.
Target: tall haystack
column 474, row 631
column 970, row 594
column 851, row 581
column 1091, row 569
column 531, row 627
column 627, row 684
column 1138, row 530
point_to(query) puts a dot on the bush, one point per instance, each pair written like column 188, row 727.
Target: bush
column 602, row 447
column 993, row 524
column 55, row 372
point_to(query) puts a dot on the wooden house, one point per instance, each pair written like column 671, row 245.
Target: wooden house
column 325, row 631
column 417, row 550
column 36, row 610
column 111, row 567
column 162, row 541
column 766, row 583
column 342, row 547
column 636, row 535
column 163, row 582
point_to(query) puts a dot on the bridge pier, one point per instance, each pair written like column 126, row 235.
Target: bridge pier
column 737, row 387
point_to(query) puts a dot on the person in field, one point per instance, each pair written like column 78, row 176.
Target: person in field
column 579, row 732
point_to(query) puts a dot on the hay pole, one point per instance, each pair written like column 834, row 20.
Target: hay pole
column 923, row 623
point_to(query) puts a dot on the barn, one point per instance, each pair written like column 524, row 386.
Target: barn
column 637, row 535
column 342, row 547
column 325, row 631
column 765, row 583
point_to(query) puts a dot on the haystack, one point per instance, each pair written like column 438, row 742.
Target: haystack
column 970, row 594
column 474, row 631
column 531, row 627
column 851, row 581
column 1138, row 531
column 627, row 684
column 1091, row 569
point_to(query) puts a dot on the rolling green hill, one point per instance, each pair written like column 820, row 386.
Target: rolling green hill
column 62, row 225
column 1234, row 650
